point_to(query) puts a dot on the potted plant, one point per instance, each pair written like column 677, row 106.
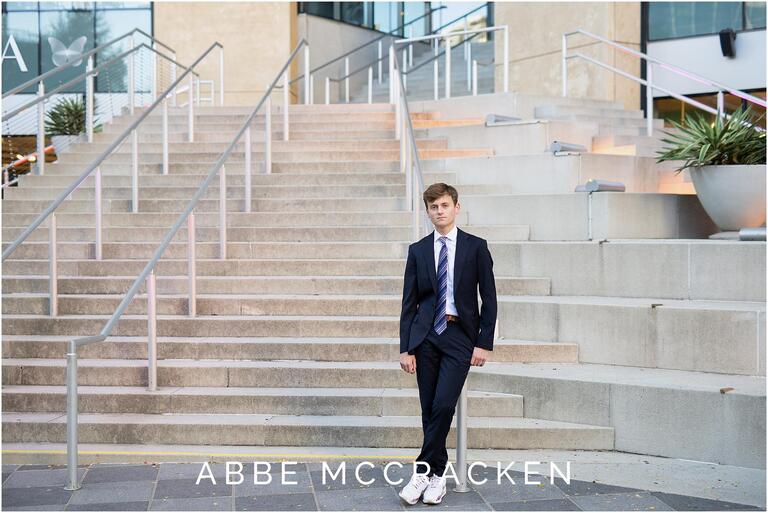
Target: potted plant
column 726, row 160
column 66, row 122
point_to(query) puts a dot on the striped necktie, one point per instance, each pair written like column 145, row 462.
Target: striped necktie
column 442, row 287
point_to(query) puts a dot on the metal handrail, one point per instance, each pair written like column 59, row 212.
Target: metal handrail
column 441, row 27
column 148, row 274
column 83, row 56
column 94, row 72
column 439, row 54
column 364, row 45
column 648, row 82
column 98, row 160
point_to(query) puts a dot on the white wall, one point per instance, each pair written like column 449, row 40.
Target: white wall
column 702, row 55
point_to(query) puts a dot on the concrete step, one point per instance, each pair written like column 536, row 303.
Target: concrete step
column 246, row 400
column 691, row 335
column 282, row 430
column 226, row 136
column 269, row 348
column 235, row 167
column 554, row 111
column 244, row 284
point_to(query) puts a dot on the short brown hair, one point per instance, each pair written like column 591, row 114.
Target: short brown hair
column 436, row 190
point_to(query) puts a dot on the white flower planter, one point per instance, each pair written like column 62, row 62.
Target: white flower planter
column 733, row 196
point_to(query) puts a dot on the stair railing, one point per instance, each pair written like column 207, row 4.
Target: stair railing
column 649, row 83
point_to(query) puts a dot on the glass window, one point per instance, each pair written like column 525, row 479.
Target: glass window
column 111, row 24
column 754, row 15
column 64, row 36
column 20, row 6
column 23, row 27
column 674, row 109
column 352, row 12
column 324, row 9
column 413, row 10
column 66, row 6
column 668, row 20
column 384, row 16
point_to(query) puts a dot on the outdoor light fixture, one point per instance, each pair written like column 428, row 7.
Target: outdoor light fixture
column 560, row 146
column 752, row 233
column 593, row 185
column 500, row 120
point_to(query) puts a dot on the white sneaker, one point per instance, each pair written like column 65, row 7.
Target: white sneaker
column 411, row 493
column 435, row 490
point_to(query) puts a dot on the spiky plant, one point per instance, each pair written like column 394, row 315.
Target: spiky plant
column 67, row 117
column 700, row 142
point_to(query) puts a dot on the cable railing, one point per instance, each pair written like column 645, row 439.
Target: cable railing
column 648, row 82
column 148, row 275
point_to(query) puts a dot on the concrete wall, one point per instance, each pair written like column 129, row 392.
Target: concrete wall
column 535, row 35
column 257, row 39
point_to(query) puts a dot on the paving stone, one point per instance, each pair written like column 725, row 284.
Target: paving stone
column 103, row 493
column 36, row 496
column 119, row 473
column 349, row 480
column 198, row 504
column 190, row 470
column 452, row 500
column 543, row 505
column 38, row 478
column 282, row 502
column 633, row 501
column 360, row 499
column 576, row 487
column 110, row 506
column 688, row 503
column 186, row 488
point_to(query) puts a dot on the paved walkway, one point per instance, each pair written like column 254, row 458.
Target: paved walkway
column 600, row 481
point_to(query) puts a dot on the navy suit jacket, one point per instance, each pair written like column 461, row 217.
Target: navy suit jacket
column 472, row 270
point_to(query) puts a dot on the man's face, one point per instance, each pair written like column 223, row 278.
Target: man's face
column 442, row 212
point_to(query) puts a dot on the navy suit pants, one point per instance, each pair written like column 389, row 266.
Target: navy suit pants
column 442, row 365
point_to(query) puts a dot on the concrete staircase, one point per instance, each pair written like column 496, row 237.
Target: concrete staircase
column 294, row 342
column 621, row 325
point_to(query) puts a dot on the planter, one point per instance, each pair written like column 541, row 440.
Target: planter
column 733, row 196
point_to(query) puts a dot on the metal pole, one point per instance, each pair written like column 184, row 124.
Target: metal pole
column 41, row 130
column 391, row 73
column 197, row 91
column 327, row 90
column 474, row 78
column 286, row 102
column 346, row 80
column 415, row 208
column 396, row 92
column 191, row 111
column 404, row 72
column 221, row 76
column 464, row 38
column 370, row 84
column 155, row 76
column 306, row 75
column 379, row 61
column 268, row 136
column 447, row 67
column 152, row 331
column 469, row 67
column 564, row 65
column 222, row 213
column 408, row 172
column 166, row 163
column 311, row 88
column 6, row 177
column 173, row 79
column 436, row 68
column 410, row 47
column 506, row 59
column 53, row 276
column 649, row 100
column 72, row 480
column 191, row 265
column 461, row 443
column 720, row 105
column 131, row 85
column 89, row 100
column 135, row 170
column 98, row 210
column 247, row 151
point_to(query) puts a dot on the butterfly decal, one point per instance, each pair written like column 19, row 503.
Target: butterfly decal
column 62, row 55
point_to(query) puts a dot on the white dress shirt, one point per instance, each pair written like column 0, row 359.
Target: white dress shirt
column 450, row 305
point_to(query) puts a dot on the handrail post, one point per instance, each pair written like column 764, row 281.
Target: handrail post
column 191, row 265
column 135, row 170
column 720, row 105
column 166, row 162
column 247, row 151
column 404, row 72
column 222, row 213
column 221, row 76
column 465, row 37
column 311, row 88
column 379, row 61
column 469, row 66
column 41, row 130
column 398, row 107
column 649, row 100
column 197, row 91
column 447, row 67
column 461, row 443
column 72, row 478
column 408, row 172
column 410, row 48
column 98, row 212
column 346, row 79
column 391, row 73
column 370, row 84
column 152, row 331
column 89, row 100
column 506, row 58
column 268, row 135
column 173, row 79
column 155, row 75
column 436, row 68
column 191, row 111
column 474, row 77
column 53, row 274
column 286, row 102
column 327, row 90
column 564, row 65
column 306, row 74
column 131, row 78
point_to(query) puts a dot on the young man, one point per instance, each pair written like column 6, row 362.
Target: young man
column 442, row 330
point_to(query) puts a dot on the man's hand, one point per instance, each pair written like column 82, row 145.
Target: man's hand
column 479, row 357
column 408, row 362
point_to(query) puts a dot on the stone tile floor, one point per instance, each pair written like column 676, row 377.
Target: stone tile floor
column 171, row 487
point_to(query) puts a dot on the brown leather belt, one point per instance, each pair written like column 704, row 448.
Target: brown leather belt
column 451, row 318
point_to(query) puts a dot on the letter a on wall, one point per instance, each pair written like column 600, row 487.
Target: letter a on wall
column 16, row 54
